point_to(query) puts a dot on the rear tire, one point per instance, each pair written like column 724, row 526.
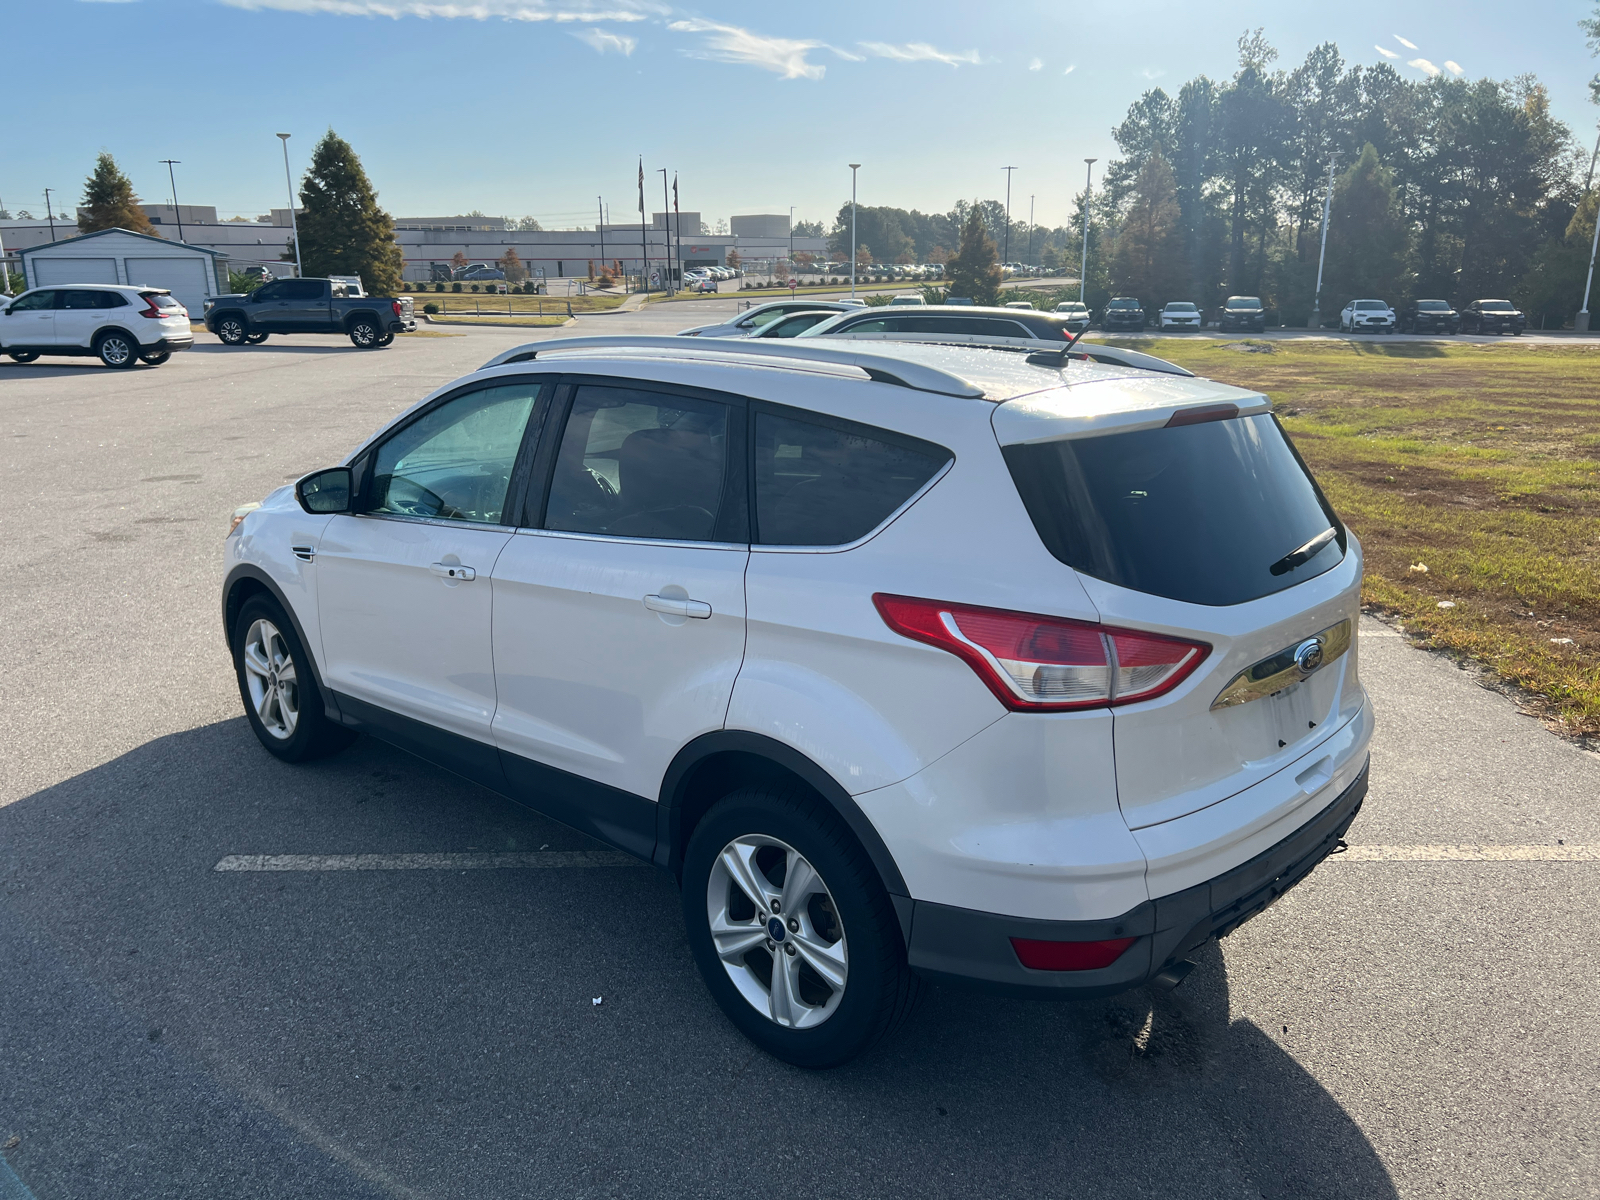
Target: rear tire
column 156, row 359
column 386, row 339
column 255, row 339
column 117, row 350
column 846, row 984
column 279, row 689
column 364, row 334
column 23, row 356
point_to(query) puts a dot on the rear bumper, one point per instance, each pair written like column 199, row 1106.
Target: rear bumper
column 973, row 949
column 402, row 325
column 168, row 343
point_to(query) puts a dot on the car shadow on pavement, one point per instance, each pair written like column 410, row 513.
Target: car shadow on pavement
column 176, row 1031
column 344, row 347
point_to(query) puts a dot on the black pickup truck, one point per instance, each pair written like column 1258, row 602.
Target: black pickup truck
column 308, row 306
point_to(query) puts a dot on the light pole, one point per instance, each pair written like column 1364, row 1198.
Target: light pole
column 1316, row 300
column 791, row 237
column 1083, row 271
column 853, row 167
column 1030, row 231
column 1581, row 323
column 1005, row 254
column 666, row 218
column 294, row 224
column 176, row 211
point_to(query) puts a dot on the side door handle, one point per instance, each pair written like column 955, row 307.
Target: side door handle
column 453, row 571
column 673, row 607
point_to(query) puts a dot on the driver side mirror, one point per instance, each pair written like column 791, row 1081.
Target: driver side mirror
column 325, row 492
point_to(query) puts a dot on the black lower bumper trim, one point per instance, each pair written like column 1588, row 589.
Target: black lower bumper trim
column 973, row 949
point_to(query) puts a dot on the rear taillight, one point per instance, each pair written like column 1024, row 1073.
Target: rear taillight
column 152, row 310
column 1036, row 663
column 1039, row 955
column 395, row 304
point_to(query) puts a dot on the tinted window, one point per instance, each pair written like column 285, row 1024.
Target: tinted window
column 875, row 325
column 1243, row 302
column 640, row 464
column 75, row 298
column 302, row 289
column 1432, row 306
column 1200, row 513
column 1124, row 304
column 270, row 291
column 455, row 462
column 820, row 485
column 1370, row 306
column 34, row 302
column 1496, row 306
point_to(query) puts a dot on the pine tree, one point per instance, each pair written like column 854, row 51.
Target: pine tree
column 1366, row 236
column 1149, row 258
column 975, row 270
column 342, row 230
column 109, row 202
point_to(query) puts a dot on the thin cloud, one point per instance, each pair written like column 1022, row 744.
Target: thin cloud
column 731, row 44
column 1453, row 67
column 606, row 42
column 1070, row 69
column 1386, row 53
column 1036, row 64
column 1423, row 65
column 1403, row 42
column 919, row 52
column 1152, row 72
column 470, row 10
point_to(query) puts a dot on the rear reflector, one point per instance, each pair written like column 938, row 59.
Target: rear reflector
column 1035, row 663
column 1203, row 413
column 1069, row 956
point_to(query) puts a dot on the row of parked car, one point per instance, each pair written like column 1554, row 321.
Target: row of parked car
column 1433, row 316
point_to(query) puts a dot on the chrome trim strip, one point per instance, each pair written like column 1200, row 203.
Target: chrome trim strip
column 1287, row 667
column 633, row 541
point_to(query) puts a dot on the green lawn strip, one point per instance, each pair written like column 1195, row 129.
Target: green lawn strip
column 1480, row 463
column 462, row 302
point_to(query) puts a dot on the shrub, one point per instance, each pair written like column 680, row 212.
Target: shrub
column 430, row 308
column 455, row 287
column 474, row 287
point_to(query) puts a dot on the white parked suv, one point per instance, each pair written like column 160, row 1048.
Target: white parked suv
column 752, row 320
column 909, row 661
column 1179, row 314
column 119, row 325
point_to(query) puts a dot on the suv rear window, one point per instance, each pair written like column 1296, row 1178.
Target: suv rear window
column 829, row 484
column 1207, row 514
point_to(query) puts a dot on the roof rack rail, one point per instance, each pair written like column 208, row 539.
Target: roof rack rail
column 880, row 367
column 1046, row 356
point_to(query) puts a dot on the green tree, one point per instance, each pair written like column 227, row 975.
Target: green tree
column 1366, row 236
column 342, row 230
column 975, row 270
column 109, row 202
column 1149, row 258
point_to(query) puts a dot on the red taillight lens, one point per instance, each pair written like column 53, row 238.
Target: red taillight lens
column 1033, row 663
column 396, row 306
column 1069, row 956
column 152, row 311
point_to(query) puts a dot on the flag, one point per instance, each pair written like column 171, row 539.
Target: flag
column 641, row 187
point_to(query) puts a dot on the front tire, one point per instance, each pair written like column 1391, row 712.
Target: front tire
column 117, row 350
column 791, row 929
column 232, row 331
column 364, row 335
column 23, row 356
column 279, row 690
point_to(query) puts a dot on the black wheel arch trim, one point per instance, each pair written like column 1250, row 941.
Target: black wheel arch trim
column 675, row 790
column 254, row 573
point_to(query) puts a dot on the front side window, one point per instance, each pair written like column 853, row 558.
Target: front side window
column 640, row 464
column 270, row 291
column 34, row 302
column 757, row 320
column 828, row 485
column 455, row 462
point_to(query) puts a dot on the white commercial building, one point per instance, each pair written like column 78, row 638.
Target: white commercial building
column 191, row 273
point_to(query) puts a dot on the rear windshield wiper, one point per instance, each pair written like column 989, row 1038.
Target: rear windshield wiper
column 1303, row 554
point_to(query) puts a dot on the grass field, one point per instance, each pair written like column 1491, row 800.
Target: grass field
column 1471, row 475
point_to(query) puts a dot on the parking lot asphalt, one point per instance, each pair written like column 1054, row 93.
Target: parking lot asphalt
column 1402, row 1024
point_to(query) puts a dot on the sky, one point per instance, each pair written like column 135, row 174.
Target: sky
column 536, row 107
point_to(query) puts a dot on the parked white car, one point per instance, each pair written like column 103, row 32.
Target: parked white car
column 908, row 299
column 119, row 325
column 753, row 319
column 1179, row 314
column 908, row 661
column 1367, row 316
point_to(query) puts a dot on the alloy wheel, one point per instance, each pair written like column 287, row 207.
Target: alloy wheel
column 777, row 931
column 273, row 683
column 115, row 351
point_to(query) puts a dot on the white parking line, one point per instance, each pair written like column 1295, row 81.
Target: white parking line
column 1468, row 854
column 452, row 861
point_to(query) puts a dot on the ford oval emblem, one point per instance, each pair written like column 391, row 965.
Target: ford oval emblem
column 775, row 929
column 1308, row 656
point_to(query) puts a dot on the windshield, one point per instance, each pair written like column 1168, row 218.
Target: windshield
column 1180, row 308
column 1370, row 305
column 1124, row 304
column 1243, row 302
column 1496, row 306
column 1070, row 308
column 1432, row 306
column 1212, row 513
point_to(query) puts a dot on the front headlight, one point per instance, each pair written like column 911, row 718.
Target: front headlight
column 239, row 514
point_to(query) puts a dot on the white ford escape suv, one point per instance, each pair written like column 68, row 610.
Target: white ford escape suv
column 1023, row 671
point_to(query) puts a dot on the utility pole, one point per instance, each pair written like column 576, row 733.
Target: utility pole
column 1327, row 203
column 666, row 218
column 853, row 167
column 791, row 237
column 1083, row 271
column 176, row 211
column 1005, row 255
column 294, row 222
column 644, row 244
column 48, row 215
column 601, row 205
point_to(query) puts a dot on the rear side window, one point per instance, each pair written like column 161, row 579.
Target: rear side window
column 300, row 289
column 159, row 299
column 1208, row 514
column 830, row 484
column 640, row 464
